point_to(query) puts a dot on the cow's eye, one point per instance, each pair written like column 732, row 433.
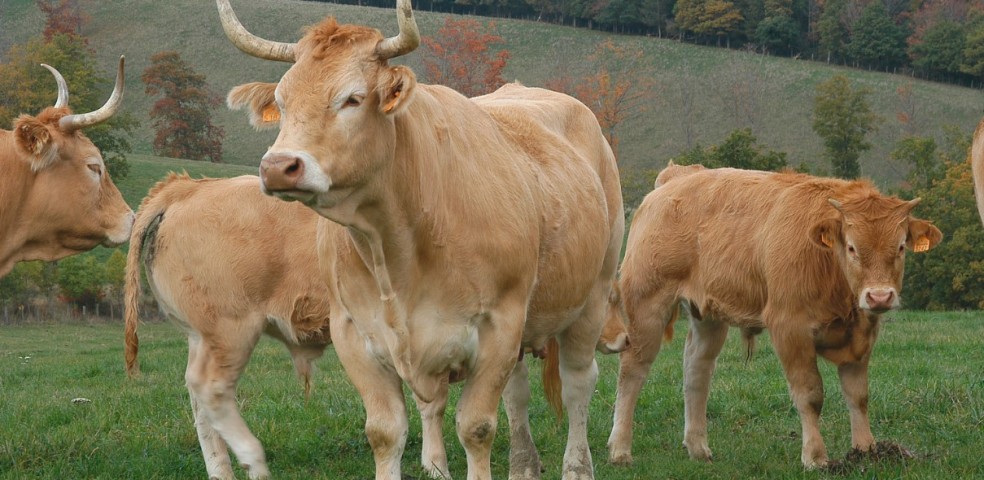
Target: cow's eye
column 901, row 249
column 851, row 250
column 353, row 101
column 96, row 168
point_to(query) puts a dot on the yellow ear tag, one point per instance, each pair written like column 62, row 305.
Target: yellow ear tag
column 271, row 113
column 826, row 241
column 392, row 103
column 922, row 245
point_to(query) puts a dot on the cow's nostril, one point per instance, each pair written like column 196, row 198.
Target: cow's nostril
column 294, row 167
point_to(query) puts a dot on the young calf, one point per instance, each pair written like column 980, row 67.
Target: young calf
column 213, row 259
column 816, row 261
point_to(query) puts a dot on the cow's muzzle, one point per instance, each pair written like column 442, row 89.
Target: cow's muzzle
column 879, row 300
column 281, row 173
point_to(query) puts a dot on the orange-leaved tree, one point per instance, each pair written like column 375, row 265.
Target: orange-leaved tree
column 62, row 16
column 183, row 115
column 460, row 56
column 616, row 87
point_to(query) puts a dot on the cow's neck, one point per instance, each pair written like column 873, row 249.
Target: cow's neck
column 17, row 181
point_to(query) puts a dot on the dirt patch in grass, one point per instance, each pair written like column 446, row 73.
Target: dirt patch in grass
column 858, row 461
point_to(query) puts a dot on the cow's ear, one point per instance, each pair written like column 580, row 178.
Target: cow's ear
column 259, row 99
column 922, row 235
column 35, row 139
column 826, row 232
column 396, row 89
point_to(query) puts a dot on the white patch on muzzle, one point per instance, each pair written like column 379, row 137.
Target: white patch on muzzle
column 121, row 233
column 885, row 298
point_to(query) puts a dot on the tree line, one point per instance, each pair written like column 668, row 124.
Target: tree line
column 939, row 40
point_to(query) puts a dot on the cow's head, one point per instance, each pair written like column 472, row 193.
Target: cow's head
column 335, row 106
column 869, row 236
column 68, row 203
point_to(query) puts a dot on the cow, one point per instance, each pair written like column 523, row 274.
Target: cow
column 463, row 231
column 225, row 281
column 816, row 261
column 977, row 165
column 57, row 197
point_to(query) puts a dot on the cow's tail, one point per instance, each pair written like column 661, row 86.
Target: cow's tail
column 551, row 377
column 977, row 164
column 144, row 228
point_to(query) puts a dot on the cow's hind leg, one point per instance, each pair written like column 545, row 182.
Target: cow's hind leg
column 382, row 396
column 524, row 461
column 214, row 449
column 705, row 338
column 433, row 456
column 579, row 375
column 212, row 374
column 647, row 322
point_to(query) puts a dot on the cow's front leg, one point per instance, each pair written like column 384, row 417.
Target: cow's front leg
column 382, row 396
column 476, row 415
column 704, row 342
column 524, row 460
column 797, row 353
column 854, row 385
column 433, row 456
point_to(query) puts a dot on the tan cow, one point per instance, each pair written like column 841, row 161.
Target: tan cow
column 225, row 281
column 56, row 195
column 816, row 261
column 214, row 260
column 977, row 164
column 467, row 230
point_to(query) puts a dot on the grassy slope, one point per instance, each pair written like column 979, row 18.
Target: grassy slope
column 783, row 88
column 927, row 393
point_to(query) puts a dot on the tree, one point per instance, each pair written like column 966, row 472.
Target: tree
column 920, row 153
column 460, row 57
column 62, row 17
column 832, row 30
column 28, row 88
column 81, row 279
column 953, row 276
column 739, row 150
column 183, row 115
column 616, row 88
column 877, row 41
column 779, row 34
column 941, row 50
column 973, row 53
column 843, row 118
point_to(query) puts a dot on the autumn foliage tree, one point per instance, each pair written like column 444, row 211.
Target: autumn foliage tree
column 62, row 16
column 616, row 86
column 461, row 56
column 28, row 88
column 183, row 115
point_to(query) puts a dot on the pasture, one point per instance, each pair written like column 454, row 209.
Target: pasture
column 927, row 394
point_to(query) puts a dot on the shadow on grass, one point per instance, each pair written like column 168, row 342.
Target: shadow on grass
column 858, row 461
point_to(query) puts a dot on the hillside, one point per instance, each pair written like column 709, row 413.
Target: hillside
column 778, row 98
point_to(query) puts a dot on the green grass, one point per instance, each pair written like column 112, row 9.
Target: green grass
column 781, row 91
column 927, row 394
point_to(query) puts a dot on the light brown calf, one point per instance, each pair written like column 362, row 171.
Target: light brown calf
column 816, row 261
column 212, row 253
column 56, row 197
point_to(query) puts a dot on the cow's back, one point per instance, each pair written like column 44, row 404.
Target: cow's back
column 219, row 240
column 733, row 240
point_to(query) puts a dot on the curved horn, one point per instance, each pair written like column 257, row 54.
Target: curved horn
column 81, row 120
column 62, row 87
column 407, row 40
column 249, row 43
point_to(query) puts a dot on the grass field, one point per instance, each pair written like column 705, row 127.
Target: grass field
column 927, row 394
column 776, row 100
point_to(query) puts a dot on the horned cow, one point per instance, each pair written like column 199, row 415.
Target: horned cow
column 815, row 261
column 465, row 231
column 57, row 197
